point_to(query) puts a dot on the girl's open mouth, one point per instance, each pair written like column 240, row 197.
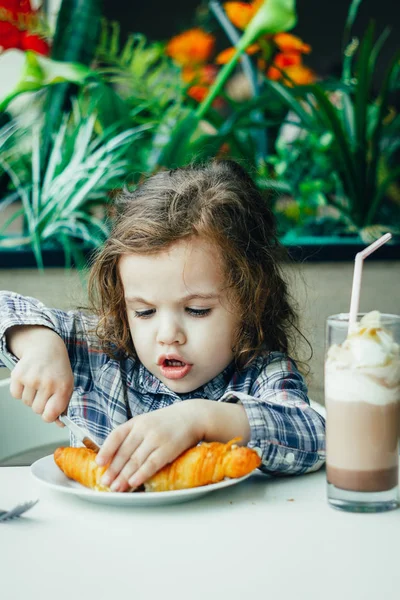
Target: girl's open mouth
column 174, row 369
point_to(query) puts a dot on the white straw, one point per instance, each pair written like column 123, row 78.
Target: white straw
column 358, row 265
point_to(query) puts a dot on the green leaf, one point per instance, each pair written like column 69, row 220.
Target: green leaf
column 173, row 151
column 376, row 201
column 82, row 168
column 364, row 73
column 273, row 16
column 32, row 72
column 343, row 153
column 289, row 99
column 75, row 41
column 18, row 213
column 376, row 139
column 351, row 17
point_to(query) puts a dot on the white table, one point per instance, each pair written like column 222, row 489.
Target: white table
column 264, row 539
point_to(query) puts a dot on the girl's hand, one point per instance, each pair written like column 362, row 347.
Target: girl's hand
column 143, row 445
column 43, row 377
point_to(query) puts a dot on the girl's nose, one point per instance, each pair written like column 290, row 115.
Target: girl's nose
column 170, row 333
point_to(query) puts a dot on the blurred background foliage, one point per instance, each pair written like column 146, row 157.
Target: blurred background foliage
column 85, row 110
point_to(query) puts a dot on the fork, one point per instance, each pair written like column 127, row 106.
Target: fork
column 17, row 511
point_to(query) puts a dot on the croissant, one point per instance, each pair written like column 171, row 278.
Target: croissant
column 204, row 464
column 79, row 464
column 198, row 466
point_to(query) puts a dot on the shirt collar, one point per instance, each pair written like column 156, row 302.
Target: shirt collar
column 212, row 389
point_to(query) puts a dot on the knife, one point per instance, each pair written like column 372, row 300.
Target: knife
column 77, row 431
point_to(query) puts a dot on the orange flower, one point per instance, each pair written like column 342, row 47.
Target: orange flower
column 241, row 13
column 281, row 62
column 226, row 55
column 201, row 78
column 203, row 75
column 192, row 47
column 300, row 75
column 287, row 42
column 274, row 74
column 283, row 59
column 289, row 61
column 198, row 92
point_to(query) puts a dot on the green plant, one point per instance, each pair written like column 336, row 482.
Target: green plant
column 63, row 200
column 335, row 172
column 139, row 70
column 143, row 87
column 202, row 130
column 75, row 41
column 347, row 134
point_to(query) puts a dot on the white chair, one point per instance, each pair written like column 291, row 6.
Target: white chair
column 24, row 436
column 318, row 407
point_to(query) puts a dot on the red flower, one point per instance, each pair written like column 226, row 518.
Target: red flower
column 18, row 24
column 34, row 42
column 10, row 37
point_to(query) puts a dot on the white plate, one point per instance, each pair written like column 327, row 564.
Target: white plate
column 47, row 473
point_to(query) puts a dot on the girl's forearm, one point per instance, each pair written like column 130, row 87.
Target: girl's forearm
column 221, row 422
column 22, row 337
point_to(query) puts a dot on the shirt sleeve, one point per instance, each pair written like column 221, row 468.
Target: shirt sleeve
column 23, row 310
column 289, row 433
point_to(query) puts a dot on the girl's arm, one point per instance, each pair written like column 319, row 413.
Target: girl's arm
column 289, row 433
column 72, row 327
column 48, row 343
column 272, row 414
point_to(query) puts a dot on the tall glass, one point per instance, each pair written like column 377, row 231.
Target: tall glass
column 362, row 399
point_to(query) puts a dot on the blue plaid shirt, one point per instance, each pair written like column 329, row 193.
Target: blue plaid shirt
column 289, row 433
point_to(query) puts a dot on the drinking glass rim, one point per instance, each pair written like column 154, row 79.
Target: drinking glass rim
column 386, row 318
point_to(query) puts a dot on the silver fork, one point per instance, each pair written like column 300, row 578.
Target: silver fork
column 17, row 511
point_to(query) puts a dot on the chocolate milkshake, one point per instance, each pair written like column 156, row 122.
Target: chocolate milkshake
column 362, row 395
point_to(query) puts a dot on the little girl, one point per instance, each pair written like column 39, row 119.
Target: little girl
column 189, row 339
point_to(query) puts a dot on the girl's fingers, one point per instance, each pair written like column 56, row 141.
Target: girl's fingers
column 122, row 457
column 132, row 465
column 114, row 440
column 55, row 405
column 39, row 402
column 16, row 389
column 28, row 395
column 153, row 463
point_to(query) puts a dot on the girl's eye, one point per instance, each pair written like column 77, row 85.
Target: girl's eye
column 198, row 312
column 144, row 314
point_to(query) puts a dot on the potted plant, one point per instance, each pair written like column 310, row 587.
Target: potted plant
column 332, row 164
column 326, row 148
column 335, row 157
column 62, row 160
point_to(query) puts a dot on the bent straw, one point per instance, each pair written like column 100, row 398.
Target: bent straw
column 358, row 265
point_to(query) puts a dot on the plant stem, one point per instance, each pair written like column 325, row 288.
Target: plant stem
column 218, row 84
column 259, row 134
column 234, row 37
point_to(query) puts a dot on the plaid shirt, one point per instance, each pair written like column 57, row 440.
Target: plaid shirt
column 289, row 433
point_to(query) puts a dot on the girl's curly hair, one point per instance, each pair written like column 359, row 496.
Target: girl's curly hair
column 219, row 202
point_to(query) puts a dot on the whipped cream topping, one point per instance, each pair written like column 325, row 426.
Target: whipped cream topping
column 366, row 367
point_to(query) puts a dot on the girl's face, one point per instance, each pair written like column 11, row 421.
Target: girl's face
column 181, row 321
